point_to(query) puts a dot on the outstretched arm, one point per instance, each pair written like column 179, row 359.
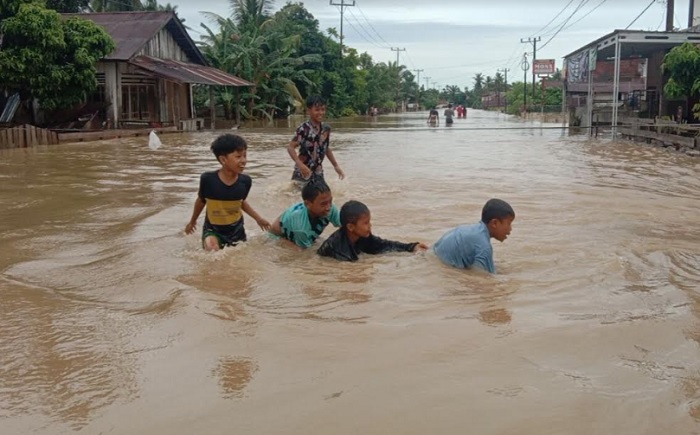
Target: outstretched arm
column 250, row 211
column 334, row 162
column 377, row 245
column 198, row 207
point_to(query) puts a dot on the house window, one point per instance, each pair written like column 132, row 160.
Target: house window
column 135, row 102
column 98, row 96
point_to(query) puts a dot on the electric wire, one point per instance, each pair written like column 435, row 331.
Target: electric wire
column 580, row 5
column 642, row 13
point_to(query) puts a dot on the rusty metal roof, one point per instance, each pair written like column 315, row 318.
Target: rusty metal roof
column 131, row 31
column 185, row 72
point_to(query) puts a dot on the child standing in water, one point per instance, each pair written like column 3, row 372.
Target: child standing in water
column 470, row 245
column 224, row 194
column 355, row 236
column 433, row 117
column 313, row 140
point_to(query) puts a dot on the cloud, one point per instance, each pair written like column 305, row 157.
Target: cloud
column 451, row 40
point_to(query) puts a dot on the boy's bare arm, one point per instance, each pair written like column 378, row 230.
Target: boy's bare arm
column 264, row 224
column 334, row 162
column 291, row 149
column 198, row 207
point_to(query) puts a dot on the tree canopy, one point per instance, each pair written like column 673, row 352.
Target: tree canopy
column 48, row 58
column 682, row 64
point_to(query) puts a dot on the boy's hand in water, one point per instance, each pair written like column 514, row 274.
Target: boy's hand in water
column 265, row 225
column 305, row 171
column 340, row 172
column 420, row 247
column 190, row 227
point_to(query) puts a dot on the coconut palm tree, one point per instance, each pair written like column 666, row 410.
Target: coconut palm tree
column 251, row 14
column 261, row 55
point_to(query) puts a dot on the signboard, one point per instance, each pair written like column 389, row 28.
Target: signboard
column 543, row 66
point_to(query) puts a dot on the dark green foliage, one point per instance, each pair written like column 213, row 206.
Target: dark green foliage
column 49, row 59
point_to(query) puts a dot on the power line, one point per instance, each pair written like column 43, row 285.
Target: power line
column 580, row 5
column 410, row 60
column 371, row 26
column 552, row 20
column 374, row 40
column 642, row 13
column 342, row 5
column 490, row 62
column 586, row 14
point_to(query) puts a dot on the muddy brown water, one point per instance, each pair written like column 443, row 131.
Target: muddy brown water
column 114, row 322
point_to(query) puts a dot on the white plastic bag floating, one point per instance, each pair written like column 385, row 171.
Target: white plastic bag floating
column 153, row 140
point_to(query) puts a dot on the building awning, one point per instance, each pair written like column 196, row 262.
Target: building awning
column 185, row 72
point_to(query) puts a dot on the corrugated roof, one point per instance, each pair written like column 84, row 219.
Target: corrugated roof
column 132, row 30
column 185, row 72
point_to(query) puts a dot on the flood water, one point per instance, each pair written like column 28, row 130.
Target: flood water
column 112, row 321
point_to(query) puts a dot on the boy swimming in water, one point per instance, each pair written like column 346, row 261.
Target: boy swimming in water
column 303, row 222
column 469, row 246
column 355, row 236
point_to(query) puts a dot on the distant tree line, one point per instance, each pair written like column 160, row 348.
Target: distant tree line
column 283, row 53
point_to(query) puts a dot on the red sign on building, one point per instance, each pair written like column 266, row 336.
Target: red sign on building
column 543, row 66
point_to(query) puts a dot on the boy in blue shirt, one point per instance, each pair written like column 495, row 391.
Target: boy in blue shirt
column 470, row 245
column 303, row 222
column 224, row 193
column 355, row 236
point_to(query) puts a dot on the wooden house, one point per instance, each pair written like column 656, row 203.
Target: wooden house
column 148, row 79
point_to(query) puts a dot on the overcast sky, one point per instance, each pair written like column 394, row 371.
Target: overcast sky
column 451, row 40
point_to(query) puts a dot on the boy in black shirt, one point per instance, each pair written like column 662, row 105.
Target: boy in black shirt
column 355, row 236
column 224, row 194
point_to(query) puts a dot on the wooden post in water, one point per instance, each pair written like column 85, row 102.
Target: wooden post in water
column 212, row 107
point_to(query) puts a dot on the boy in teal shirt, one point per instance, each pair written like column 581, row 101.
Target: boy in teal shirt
column 303, row 222
column 470, row 245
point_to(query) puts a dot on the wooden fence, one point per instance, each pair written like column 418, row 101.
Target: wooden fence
column 26, row 136
column 661, row 131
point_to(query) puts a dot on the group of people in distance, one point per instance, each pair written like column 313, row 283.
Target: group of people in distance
column 224, row 193
column 434, row 115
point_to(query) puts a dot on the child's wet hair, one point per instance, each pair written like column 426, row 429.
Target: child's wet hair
column 496, row 209
column 314, row 187
column 227, row 144
column 315, row 100
column 351, row 212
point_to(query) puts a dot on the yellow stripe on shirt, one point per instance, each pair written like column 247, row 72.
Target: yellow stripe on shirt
column 223, row 212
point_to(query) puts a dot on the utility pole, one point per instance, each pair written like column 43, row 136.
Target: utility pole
column 524, row 65
column 505, row 94
column 398, row 71
column 427, row 79
column 397, row 50
column 534, row 42
column 342, row 5
column 418, row 71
